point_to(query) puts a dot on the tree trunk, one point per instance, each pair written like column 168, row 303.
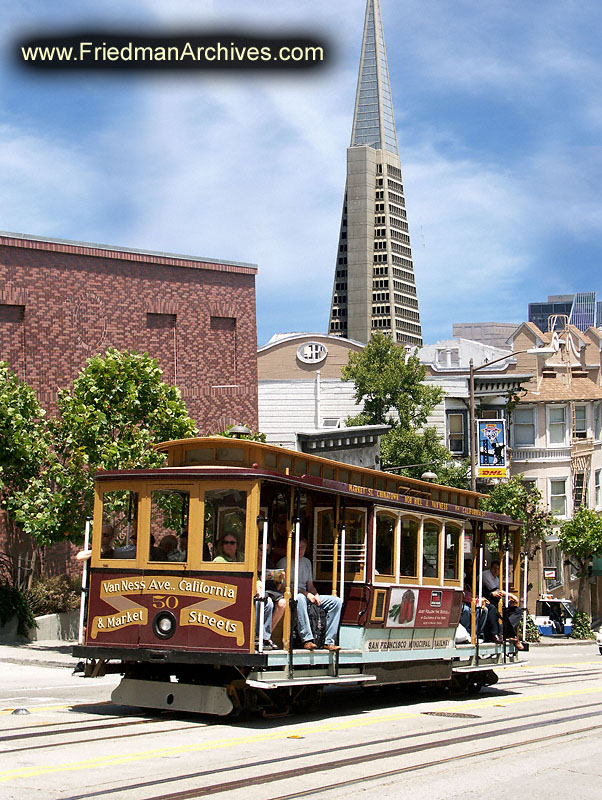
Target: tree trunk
column 583, row 597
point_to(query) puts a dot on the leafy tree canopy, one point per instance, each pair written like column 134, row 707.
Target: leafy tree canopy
column 522, row 502
column 580, row 538
column 117, row 408
column 23, row 435
column 389, row 383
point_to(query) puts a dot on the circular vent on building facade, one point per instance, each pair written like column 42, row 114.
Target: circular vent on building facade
column 312, row 352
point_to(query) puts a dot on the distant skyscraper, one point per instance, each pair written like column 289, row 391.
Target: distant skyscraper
column 583, row 313
column 374, row 287
column 582, row 310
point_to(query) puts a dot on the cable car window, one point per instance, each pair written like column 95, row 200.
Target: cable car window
column 119, row 531
column 355, row 544
column 324, row 543
column 169, row 515
column 385, row 545
column 229, row 454
column 409, row 547
column 270, row 459
column 452, row 552
column 430, row 550
column 225, row 524
column 198, row 456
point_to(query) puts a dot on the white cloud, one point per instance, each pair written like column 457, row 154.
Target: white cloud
column 45, row 186
column 252, row 169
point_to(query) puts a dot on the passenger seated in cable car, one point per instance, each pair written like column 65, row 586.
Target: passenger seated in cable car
column 274, row 603
column 227, row 550
column 493, row 593
column 167, row 544
column 181, row 553
column 309, row 594
column 107, row 541
column 128, row 550
column 512, row 616
column 280, row 536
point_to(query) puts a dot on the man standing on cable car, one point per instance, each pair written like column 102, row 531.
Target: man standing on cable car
column 308, row 594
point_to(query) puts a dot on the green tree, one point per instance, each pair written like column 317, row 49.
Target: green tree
column 116, row 410
column 580, row 539
column 24, row 440
column 389, row 384
column 519, row 501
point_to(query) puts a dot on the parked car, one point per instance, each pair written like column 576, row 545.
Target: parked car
column 554, row 615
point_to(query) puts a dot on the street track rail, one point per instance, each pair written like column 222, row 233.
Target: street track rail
column 301, row 772
column 113, row 736
column 469, row 731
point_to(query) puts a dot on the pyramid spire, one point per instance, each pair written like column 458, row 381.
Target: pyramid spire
column 374, row 287
column 373, row 120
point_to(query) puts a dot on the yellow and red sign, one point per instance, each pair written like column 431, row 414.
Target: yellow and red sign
column 169, row 591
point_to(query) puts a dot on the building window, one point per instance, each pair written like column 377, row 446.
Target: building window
column 530, row 484
column 456, row 433
column 523, row 427
column 580, row 422
column 448, row 356
column 557, row 424
column 558, row 497
column 223, row 324
column 161, row 321
column 10, row 313
column 579, row 491
column 597, row 421
column 312, row 352
column 555, row 559
column 597, row 486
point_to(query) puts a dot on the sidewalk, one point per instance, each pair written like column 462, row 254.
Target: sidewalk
column 560, row 639
column 51, row 653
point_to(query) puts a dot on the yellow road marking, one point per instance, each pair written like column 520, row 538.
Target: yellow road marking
column 105, row 761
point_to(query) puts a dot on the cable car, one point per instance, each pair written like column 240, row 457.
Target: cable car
column 177, row 583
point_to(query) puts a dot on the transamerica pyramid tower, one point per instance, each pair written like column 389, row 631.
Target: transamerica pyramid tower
column 374, row 287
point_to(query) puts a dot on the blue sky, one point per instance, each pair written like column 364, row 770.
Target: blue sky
column 499, row 116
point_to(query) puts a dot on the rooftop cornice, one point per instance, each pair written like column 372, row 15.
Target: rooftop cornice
column 71, row 247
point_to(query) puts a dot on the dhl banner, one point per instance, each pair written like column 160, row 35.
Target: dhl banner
column 492, row 461
column 169, row 591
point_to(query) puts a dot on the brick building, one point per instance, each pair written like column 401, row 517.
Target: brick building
column 63, row 301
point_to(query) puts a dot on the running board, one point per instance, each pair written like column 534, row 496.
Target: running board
column 486, row 667
column 315, row 680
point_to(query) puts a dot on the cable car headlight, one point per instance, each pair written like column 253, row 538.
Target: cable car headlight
column 164, row 625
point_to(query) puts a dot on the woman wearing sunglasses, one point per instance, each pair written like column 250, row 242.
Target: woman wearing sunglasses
column 227, row 550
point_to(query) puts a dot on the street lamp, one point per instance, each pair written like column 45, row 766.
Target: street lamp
column 429, row 477
column 472, row 443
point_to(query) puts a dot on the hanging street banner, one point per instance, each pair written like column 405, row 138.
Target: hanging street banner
column 493, row 457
